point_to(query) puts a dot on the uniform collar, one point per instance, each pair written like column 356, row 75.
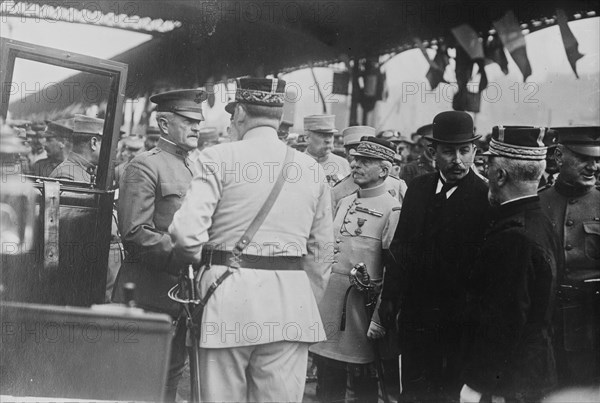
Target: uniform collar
column 79, row 159
column 318, row 159
column 171, row 148
column 517, row 205
column 372, row 192
column 568, row 190
column 260, row 133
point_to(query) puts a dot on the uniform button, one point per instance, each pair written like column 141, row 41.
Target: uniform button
column 569, row 246
column 335, row 261
column 596, row 218
column 352, row 211
column 572, row 201
column 569, row 223
column 346, row 221
column 338, row 240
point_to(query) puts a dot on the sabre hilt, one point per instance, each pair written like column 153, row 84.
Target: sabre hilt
column 359, row 278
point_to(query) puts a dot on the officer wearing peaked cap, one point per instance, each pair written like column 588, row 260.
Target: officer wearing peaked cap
column 57, row 144
column 573, row 206
column 319, row 130
column 280, row 277
column 364, row 225
column 352, row 137
column 86, row 139
column 510, row 356
column 424, row 162
column 152, row 188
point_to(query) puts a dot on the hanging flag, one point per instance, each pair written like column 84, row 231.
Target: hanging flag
column 494, row 52
column 511, row 36
column 465, row 100
column 569, row 40
column 340, row 83
column 468, row 39
column 423, row 49
column 435, row 75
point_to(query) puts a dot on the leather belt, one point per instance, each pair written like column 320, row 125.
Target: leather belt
column 222, row 257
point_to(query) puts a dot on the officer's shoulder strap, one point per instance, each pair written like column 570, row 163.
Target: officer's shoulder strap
column 545, row 187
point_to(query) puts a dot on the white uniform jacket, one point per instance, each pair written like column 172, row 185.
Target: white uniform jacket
column 255, row 306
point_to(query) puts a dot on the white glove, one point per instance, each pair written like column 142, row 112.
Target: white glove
column 376, row 331
column 468, row 395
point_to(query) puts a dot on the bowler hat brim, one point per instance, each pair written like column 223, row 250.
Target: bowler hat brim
column 588, row 150
column 457, row 141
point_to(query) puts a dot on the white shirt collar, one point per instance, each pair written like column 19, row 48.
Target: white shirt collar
column 440, row 184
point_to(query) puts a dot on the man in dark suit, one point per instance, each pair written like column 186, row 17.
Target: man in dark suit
column 151, row 191
column 510, row 357
column 439, row 233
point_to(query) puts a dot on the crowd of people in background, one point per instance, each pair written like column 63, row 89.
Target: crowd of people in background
column 443, row 252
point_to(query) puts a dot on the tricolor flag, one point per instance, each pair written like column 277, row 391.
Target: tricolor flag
column 494, row 52
column 569, row 40
column 511, row 36
column 435, row 75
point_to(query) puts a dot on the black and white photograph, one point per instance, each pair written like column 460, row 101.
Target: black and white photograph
column 319, row 201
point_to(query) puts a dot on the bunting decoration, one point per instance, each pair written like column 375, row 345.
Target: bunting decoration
column 468, row 39
column 469, row 51
column 435, row 75
column 494, row 53
column 511, row 36
column 465, row 100
column 569, row 40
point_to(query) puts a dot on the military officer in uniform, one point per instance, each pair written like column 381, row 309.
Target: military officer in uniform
column 573, row 206
column 151, row 191
column 352, row 137
column 260, row 320
column 424, row 163
column 440, row 230
column 80, row 165
column 132, row 145
column 364, row 225
column 319, row 130
column 58, row 146
column 510, row 356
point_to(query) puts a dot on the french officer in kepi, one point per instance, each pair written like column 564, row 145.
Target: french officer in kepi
column 352, row 138
column 364, row 226
column 573, row 206
column 259, row 322
column 511, row 298
column 151, row 191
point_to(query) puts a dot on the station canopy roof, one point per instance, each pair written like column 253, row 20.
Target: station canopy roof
column 235, row 38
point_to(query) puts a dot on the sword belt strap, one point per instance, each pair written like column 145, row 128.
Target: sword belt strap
column 223, row 257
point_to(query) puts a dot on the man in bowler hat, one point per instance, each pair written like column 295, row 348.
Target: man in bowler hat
column 510, row 356
column 440, row 231
column 152, row 188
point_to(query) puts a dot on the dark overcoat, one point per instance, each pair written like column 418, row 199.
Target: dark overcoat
column 513, row 294
column 433, row 249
